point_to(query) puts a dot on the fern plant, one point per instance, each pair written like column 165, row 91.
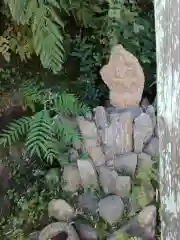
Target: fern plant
column 47, row 27
column 46, row 130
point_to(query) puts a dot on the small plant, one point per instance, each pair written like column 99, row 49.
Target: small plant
column 46, row 132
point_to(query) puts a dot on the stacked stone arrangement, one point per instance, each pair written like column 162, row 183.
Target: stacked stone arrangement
column 115, row 145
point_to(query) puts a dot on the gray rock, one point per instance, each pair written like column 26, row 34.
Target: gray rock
column 126, row 163
column 54, row 229
column 78, row 145
column 34, row 235
column 60, row 210
column 85, row 231
column 117, row 138
column 101, row 117
column 144, row 161
column 152, row 148
column 142, row 225
column 135, row 111
column 107, row 179
column 88, row 173
column 73, row 154
column 112, row 183
column 123, row 186
column 87, row 128
column 71, row 178
column 143, row 131
column 95, row 152
column 88, row 203
column 111, row 209
column 151, row 112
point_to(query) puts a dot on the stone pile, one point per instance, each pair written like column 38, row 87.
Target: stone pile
column 115, row 146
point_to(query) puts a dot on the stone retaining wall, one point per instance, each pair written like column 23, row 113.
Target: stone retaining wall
column 116, row 146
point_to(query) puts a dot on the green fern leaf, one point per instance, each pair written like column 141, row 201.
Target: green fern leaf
column 69, row 105
column 51, row 150
column 22, row 10
column 29, row 94
column 65, row 132
column 15, row 131
column 47, row 29
column 39, row 134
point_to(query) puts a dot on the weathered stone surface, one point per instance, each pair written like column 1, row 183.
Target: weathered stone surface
column 88, row 173
column 111, row 209
column 71, row 178
column 152, row 113
column 126, row 163
column 123, row 186
column 101, row 117
column 85, row 231
column 53, row 229
column 112, row 183
column 142, row 225
column 88, row 203
column 124, row 77
column 91, row 141
column 4, row 178
column 96, row 154
column 78, row 144
column 144, row 161
column 135, row 111
column 143, row 131
column 152, row 148
column 60, row 209
column 118, row 136
column 73, row 154
column 87, row 128
column 107, row 179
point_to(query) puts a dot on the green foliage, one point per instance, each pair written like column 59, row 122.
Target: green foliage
column 46, row 21
column 87, row 53
column 28, row 198
column 133, row 27
column 46, row 129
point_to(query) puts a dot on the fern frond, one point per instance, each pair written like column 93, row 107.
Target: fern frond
column 51, row 150
column 47, row 29
column 65, row 131
column 69, row 105
column 30, row 94
column 15, row 131
column 22, row 10
column 39, row 134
